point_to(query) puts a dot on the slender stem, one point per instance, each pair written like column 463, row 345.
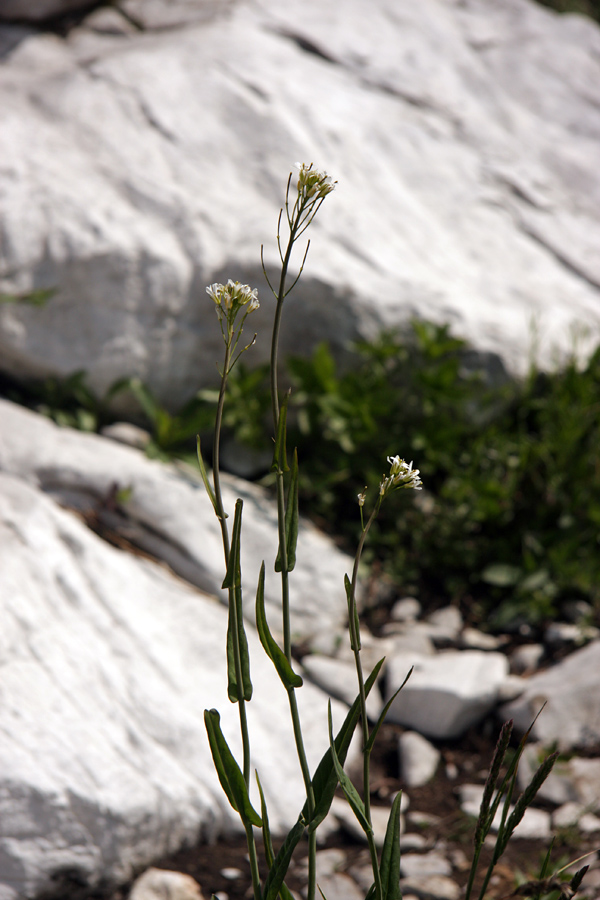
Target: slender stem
column 233, row 611
column 355, row 644
column 285, row 595
column 253, row 862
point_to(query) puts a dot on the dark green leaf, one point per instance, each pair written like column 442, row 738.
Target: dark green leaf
column 384, row 713
column 203, row 473
column 281, row 863
column 390, row 855
column 280, row 455
column 352, row 795
column 291, row 520
column 289, row 678
column 325, row 780
column 234, row 574
column 230, row 774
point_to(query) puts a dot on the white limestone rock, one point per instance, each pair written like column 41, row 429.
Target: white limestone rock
column 446, row 693
column 166, row 512
column 535, row 824
column 571, row 692
column 338, row 678
column 108, row 662
column 163, row 884
column 142, row 167
column 419, row 759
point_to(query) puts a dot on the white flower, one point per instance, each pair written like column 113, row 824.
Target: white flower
column 402, row 475
column 231, row 297
column 362, row 497
column 313, row 183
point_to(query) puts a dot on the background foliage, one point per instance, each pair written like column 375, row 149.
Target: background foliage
column 508, row 525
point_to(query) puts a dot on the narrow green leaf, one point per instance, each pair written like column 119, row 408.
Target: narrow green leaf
column 209, row 722
column 371, row 892
column 484, row 822
column 267, row 842
column 352, row 795
column 280, row 454
column 230, row 774
column 204, row 474
column 232, row 687
column 234, row 575
column 278, row 870
column 291, row 520
column 325, row 780
column 235, row 598
column 355, row 646
column 289, row 678
column 390, row 855
column 384, row 713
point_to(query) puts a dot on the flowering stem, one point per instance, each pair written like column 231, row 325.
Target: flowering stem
column 221, row 515
column 355, row 644
column 287, row 644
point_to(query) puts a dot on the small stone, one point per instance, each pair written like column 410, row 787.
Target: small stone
column 412, row 841
column 411, row 638
column 405, row 610
column 127, row 433
column 434, row 887
column 379, row 817
column 338, row 678
column 575, row 814
column 473, row 639
column 446, row 693
column 419, row 819
column 569, row 633
column 534, row 825
column 329, row 861
column 511, row 688
column 526, row 658
column 339, row 886
column 421, row 865
column 163, row 884
column 445, row 624
column 231, row 873
column 418, row 759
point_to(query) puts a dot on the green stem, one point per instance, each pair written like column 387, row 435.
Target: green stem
column 285, row 595
column 253, row 862
column 355, row 644
column 233, row 611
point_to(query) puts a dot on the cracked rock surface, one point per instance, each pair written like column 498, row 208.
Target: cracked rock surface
column 145, row 152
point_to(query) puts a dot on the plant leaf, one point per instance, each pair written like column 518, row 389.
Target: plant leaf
column 325, row 780
column 390, row 855
column 352, row 611
column 280, row 455
column 384, row 712
column 352, row 795
column 203, row 473
column 233, row 575
column 289, row 678
column 235, row 598
column 291, row 520
column 230, row 774
column 278, row 870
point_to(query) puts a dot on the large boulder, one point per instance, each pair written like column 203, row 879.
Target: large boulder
column 165, row 512
column 108, row 661
column 142, row 163
column 564, row 701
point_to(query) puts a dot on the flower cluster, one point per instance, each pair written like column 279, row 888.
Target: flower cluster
column 231, row 297
column 402, row 475
column 313, row 183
